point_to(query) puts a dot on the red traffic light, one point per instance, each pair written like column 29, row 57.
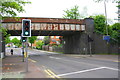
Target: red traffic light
column 26, row 28
column 26, row 23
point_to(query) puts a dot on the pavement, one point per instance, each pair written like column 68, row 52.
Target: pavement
column 99, row 57
column 13, row 67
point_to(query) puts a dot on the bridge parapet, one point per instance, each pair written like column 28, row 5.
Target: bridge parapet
column 48, row 24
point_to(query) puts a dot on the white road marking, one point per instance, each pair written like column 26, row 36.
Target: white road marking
column 80, row 71
column 88, row 70
column 112, row 68
column 54, row 57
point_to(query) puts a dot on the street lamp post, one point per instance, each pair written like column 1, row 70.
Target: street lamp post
column 106, row 17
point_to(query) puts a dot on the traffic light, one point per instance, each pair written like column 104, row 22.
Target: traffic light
column 26, row 28
column 23, row 39
column 90, row 39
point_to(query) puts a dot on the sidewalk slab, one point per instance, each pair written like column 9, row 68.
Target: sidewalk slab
column 13, row 67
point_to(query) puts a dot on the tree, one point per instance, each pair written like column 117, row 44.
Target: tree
column 16, row 42
column 10, row 8
column 32, row 39
column 72, row 13
column 115, row 32
column 39, row 44
column 99, row 22
column 46, row 40
column 7, row 40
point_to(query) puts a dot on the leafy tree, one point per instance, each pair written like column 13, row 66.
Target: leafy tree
column 16, row 42
column 10, row 8
column 115, row 32
column 39, row 44
column 46, row 40
column 7, row 40
column 99, row 22
column 32, row 39
column 72, row 13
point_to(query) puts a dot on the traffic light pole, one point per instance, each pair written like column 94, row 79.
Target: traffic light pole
column 26, row 32
column 26, row 54
column 23, row 51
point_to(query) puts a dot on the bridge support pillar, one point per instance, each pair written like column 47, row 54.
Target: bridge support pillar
column 78, row 43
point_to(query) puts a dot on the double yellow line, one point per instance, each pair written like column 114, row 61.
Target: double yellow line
column 52, row 74
column 31, row 60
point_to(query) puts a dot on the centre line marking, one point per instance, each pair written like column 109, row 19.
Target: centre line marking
column 80, row 71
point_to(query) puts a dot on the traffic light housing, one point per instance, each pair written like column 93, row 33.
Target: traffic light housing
column 90, row 39
column 23, row 39
column 26, row 28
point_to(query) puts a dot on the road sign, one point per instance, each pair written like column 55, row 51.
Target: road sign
column 107, row 38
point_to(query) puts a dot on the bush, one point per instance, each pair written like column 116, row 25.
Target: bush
column 39, row 45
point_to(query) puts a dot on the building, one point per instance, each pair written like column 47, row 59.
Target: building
column 54, row 40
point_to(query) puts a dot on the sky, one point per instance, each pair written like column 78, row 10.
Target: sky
column 54, row 8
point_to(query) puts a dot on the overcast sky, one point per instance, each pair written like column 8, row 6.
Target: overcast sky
column 54, row 8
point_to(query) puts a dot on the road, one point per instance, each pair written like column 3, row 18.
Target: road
column 70, row 66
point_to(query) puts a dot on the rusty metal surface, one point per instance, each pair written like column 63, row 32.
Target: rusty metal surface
column 46, row 26
column 45, row 20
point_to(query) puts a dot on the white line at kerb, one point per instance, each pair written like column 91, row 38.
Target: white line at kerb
column 80, row 71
